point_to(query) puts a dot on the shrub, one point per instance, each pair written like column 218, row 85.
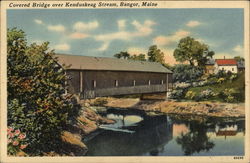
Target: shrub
column 177, row 94
column 211, row 81
column 221, row 74
column 36, row 101
column 232, row 77
column 182, row 85
column 230, row 95
column 186, row 73
column 220, row 80
column 206, row 94
column 190, row 95
column 16, row 141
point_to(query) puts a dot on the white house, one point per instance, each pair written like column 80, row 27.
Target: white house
column 226, row 65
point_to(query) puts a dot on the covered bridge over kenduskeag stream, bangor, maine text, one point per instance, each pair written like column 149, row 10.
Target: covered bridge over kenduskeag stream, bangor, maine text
column 92, row 77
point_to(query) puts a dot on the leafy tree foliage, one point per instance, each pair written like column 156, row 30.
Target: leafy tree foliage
column 186, row 73
column 155, row 54
column 123, row 55
column 37, row 104
column 126, row 55
column 140, row 57
column 239, row 59
column 192, row 51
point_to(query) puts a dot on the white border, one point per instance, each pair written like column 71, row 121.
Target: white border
column 149, row 159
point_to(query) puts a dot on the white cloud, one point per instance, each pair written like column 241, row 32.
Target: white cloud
column 37, row 21
column 113, row 36
column 78, row 35
column 56, row 28
column 193, row 23
column 142, row 30
column 82, row 26
column 166, row 40
column 121, row 24
column 104, row 46
column 238, row 49
column 62, row 47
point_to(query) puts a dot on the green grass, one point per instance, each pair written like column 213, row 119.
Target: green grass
column 237, row 84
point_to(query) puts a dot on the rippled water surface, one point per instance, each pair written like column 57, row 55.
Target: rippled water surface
column 138, row 134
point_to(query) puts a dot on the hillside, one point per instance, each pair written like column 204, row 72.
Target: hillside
column 234, row 88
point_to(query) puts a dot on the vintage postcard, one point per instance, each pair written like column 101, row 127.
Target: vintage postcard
column 124, row 81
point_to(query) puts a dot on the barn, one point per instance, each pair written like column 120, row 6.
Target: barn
column 91, row 77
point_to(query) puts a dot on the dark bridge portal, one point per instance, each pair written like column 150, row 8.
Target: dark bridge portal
column 92, row 77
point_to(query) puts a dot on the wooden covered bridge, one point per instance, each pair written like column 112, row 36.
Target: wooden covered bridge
column 92, row 77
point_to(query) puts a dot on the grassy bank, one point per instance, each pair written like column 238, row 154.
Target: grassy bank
column 223, row 90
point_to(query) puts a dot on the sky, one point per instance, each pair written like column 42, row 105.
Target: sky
column 105, row 32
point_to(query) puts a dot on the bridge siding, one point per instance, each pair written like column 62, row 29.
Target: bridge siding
column 105, row 82
column 142, row 89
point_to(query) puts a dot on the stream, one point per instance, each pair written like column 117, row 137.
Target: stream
column 137, row 133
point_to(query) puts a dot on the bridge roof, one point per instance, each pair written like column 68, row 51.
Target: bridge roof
column 113, row 64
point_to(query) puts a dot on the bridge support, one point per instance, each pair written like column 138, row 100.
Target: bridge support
column 142, row 97
column 167, row 96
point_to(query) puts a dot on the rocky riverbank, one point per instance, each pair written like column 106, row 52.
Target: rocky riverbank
column 206, row 108
column 72, row 137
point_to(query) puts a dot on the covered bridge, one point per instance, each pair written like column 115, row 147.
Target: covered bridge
column 92, row 77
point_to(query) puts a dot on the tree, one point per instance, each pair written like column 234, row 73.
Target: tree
column 124, row 55
column 37, row 104
column 192, row 51
column 140, row 57
column 155, row 54
column 239, row 59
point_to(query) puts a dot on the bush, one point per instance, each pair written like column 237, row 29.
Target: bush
column 230, row 95
column 232, row 77
column 177, row 94
column 186, row 73
column 190, row 95
column 221, row 74
column 212, row 80
column 182, row 85
column 37, row 104
column 16, row 141
column 220, row 80
column 206, row 94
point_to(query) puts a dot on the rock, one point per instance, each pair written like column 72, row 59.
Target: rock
column 21, row 154
column 103, row 120
column 86, row 104
column 74, row 139
column 87, row 125
column 72, row 144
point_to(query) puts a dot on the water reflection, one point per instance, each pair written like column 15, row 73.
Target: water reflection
column 168, row 136
column 148, row 137
column 195, row 140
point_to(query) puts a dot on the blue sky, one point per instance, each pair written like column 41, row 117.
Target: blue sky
column 105, row 32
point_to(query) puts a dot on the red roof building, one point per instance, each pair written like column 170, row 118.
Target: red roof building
column 224, row 62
